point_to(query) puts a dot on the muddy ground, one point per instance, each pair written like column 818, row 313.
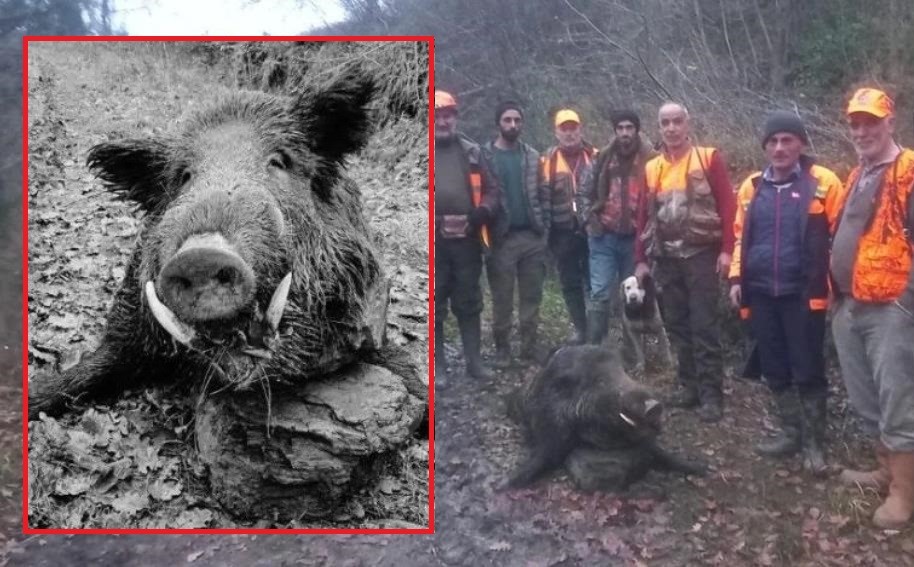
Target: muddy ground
column 747, row 512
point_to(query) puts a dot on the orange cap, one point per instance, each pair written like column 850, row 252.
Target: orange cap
column 445, row 100
column 871, row 101
column 566, row 115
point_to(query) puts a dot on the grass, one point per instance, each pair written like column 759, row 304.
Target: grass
column 554, row 323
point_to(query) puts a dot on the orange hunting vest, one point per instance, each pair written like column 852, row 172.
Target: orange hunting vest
column 476, row 193
column 682, row 214
column 884, row 253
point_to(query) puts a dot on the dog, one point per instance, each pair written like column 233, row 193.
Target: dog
column 641, row 317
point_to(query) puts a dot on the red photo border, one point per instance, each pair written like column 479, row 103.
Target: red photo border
column 25, row 283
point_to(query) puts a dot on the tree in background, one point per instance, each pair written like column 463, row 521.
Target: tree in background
column 56, row 17
column 730, row 61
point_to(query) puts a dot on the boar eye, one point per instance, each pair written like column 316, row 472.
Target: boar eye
column 280, row 160
column 186, row 175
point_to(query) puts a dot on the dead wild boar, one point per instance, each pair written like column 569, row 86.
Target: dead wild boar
column 584, row 412
column 253, row 260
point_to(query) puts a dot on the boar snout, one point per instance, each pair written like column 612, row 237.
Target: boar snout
column 206, row 280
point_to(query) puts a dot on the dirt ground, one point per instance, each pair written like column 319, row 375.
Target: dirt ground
column 748, row 511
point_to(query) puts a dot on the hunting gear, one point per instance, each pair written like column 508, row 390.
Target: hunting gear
column 466, row 199
column 564, row 167
column 685, row 227
column 518, row 253
column 873, row 319
column 611, row 192
column 779, row 279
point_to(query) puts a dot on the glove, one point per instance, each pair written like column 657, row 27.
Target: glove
column 479, row 216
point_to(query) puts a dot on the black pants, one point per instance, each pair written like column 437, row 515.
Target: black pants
column 570, row 251
column 790, row 340
column 458, row 266
column 691, row 290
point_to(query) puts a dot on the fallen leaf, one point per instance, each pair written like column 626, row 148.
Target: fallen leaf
column 130, row 503
column 71, row 485
column 500, row 546
column 164, row 490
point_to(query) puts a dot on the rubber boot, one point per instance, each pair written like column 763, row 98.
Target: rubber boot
column 597, row 323
column 711, row 399
column 814, row 418
column 789, row 412
column 878, row 478
column 896, row 511
column 470, row 335
column 711, row 410
column 529, row 350
column 502, row 353
column 578, row 316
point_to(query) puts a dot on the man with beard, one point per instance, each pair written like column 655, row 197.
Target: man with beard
column 873, row 319
column 685, row 225
column 564, row 168
column 466, row 199
column 784, row 220
column 611, row 193
column 518, row 239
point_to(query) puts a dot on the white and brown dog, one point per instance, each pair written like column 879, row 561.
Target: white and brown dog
column 640, row 318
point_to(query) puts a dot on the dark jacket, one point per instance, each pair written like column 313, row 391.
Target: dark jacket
column 763, row 259
column 563, row 207
column 599, row 205
column 533, row 192
column 478, row 166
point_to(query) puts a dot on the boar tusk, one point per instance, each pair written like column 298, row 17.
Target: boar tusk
column 278, row 302
column 627, row 419
column 181, row 332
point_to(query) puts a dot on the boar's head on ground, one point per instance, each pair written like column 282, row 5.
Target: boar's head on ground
column 253, row 260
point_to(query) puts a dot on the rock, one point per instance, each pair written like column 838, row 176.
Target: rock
column 316, row 445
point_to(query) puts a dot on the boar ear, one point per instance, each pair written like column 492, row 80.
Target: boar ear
column 335, row 116
column 135, row 170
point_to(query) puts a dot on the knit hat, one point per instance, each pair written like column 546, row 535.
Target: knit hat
column 618, row 116
column 506, row 106
column 784, row 121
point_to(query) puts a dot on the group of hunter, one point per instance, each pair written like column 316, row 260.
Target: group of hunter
column 792, row 242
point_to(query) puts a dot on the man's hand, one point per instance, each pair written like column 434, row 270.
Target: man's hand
column 723, row 265
column 736, row 295
column 641, row 270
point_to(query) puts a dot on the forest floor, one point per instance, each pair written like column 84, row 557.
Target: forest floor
column 132, row 464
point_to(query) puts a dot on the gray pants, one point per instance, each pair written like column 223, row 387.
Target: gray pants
column 875, row 343
column 520, row 256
